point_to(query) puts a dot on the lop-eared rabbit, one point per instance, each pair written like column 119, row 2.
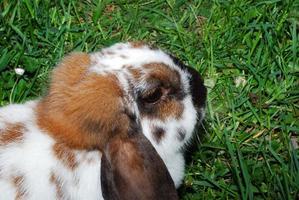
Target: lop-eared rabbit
column 52, row 148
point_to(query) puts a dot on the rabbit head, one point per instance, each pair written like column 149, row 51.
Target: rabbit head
column 93, row 96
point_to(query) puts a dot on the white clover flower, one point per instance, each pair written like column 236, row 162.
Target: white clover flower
column 210, row 83
column 19, row 71
column 240, row 80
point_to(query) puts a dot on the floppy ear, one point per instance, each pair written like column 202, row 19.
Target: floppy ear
column 197, row 87
column 131, row 169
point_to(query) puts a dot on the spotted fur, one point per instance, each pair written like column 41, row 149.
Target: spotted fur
column 51, row 148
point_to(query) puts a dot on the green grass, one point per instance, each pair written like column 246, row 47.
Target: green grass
column 247, row 146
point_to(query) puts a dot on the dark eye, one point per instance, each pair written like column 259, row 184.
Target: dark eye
column 153, row 96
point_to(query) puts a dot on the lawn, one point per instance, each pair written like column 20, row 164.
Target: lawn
column 247, row 52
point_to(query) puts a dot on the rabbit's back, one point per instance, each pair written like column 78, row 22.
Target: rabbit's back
column 34, row 166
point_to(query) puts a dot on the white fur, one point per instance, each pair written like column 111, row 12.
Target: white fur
column 170, row 147
column 113, row 59
column 33, row 158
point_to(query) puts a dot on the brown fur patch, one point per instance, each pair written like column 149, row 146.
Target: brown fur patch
column 171, row 108
column 164, row 73
column 170, row 82
column 128, row 151
column 136, row 73
column 18, row 182
column 82, row 111
column 58, row 185
column 137, row 44
column 71, row 70
column 65, row 155
column 13, row 133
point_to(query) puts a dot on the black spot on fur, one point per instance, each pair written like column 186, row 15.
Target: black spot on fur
column 158, row 133
column 181, row 134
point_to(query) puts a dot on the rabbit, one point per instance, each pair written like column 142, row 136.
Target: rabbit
column 52, row 147
column 131, row 169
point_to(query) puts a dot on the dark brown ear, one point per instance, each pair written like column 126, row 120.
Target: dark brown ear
column 197, row 87
column 131, row 169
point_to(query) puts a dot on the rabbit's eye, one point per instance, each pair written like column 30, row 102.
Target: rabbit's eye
column 153, row 96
